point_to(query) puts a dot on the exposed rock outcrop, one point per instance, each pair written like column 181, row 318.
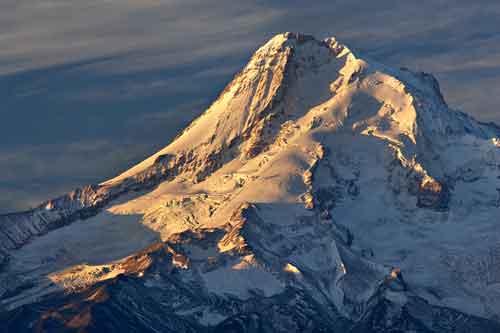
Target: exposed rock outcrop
column 296, row 202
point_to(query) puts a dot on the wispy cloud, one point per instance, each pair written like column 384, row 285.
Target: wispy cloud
column 121, row 77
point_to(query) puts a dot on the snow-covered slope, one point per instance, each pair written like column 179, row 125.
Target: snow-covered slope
column 319, row 191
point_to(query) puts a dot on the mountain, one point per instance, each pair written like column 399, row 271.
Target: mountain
column 319, row 193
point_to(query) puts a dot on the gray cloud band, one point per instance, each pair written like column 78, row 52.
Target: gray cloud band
column 133, row 73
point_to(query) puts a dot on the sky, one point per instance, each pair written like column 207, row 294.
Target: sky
column 89, row 88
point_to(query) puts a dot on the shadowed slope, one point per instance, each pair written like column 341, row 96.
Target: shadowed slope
column 337, row 188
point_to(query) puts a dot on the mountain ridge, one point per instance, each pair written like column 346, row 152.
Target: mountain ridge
column 331, row 138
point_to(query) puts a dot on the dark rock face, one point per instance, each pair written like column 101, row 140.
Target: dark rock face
column 155, row 296
column 127, row 305
column 419, row 316
column 433, row 194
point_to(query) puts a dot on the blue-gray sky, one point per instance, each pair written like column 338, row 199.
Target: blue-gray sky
column 88, row 88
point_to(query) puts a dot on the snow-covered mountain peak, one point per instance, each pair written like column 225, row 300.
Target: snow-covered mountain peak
column 344, row 191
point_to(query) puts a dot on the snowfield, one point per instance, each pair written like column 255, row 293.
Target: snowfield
column 320, row 191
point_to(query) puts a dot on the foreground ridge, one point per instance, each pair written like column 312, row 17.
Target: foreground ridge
column 319, row 191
